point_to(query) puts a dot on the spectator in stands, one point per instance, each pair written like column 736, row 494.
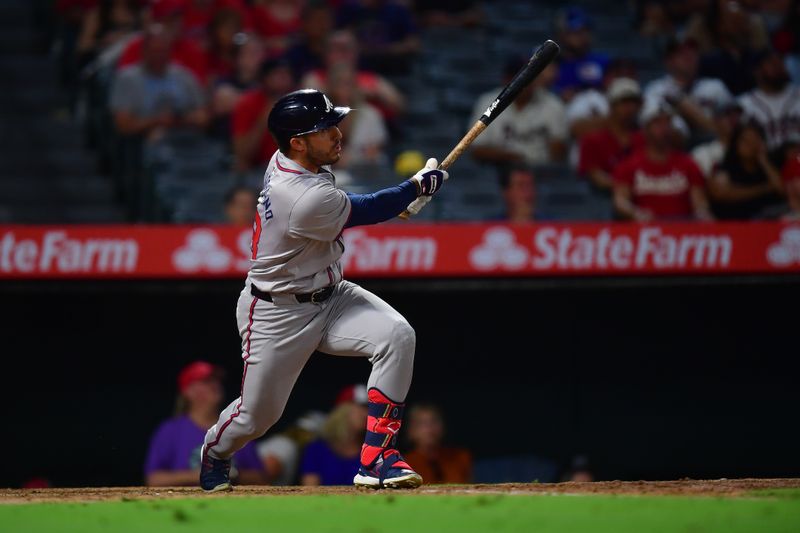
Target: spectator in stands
column 518, row 186
column 786, row 40
column 157, row 95
column 533, row 130
column 228, row 90
column 728, row 44
column 579, row 470
column 365, row 134
column 333, row 459
column 434, row 461
column 252, row 143
column 579, row 66
column 110, row 23
column 723, row 20
column 240, row 205
column 791, row 181
column 659, row 182
column 655, row 19
column 281, row 453
column 224, row 31
column 308, row 51
column 386, row 31
column 198, row 17
column 277, row 21
column 746, row 185
column 69, row 20
column 168, row 15
column 588, row 109
column 450, row 13
column 775, row 103
column 602, row 150
column 692, row 97
column 342, row 49
column 708, row 156
column 174, row 454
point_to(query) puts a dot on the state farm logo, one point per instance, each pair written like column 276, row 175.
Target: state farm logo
column 564, row 248
column 786, row 251
column 365, row 253
column 499, row 249
column 58, row 252
column 202, row 251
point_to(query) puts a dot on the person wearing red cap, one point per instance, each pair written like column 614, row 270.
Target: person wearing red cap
column 174, row 454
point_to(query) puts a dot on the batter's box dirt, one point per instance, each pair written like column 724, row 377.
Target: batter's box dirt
column 686, row 487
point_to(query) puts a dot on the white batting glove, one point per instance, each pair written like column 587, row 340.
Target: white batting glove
column 416, row 206
column 429, row 179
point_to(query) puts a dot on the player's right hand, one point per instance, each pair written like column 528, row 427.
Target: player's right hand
column 429, row 179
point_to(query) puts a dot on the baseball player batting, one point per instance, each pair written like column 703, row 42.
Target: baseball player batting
column 295, row 300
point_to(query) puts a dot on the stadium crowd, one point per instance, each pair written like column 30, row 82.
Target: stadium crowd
column 317, row 449
column 716, row 136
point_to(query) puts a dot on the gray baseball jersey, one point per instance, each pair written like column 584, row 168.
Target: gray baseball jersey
column 297, row 241
column 296, row 249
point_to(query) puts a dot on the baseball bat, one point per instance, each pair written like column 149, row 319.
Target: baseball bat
column 542, row 57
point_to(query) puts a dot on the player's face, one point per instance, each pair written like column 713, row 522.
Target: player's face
column 324, row 147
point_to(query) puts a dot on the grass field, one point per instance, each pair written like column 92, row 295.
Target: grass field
column 495, row 509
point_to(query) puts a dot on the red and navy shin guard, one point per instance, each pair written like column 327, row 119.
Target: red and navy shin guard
column 383, row 423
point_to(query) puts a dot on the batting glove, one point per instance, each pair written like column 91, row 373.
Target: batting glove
column 416, row 206
column 429, row 179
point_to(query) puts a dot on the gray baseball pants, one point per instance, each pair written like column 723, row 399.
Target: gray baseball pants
column 279, row 337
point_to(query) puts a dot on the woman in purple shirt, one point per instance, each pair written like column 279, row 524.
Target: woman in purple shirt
column 174, row 454
column 334, row 459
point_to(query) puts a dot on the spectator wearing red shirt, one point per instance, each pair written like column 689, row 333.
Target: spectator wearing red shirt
column 601, row 151
column 342, row 49
column 224, row 32
column 659, row 182
column 277, row 21
column 252, row 143
column 199, row 14
column 184, row 51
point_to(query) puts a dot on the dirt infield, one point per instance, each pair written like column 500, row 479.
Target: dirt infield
column 686, row 487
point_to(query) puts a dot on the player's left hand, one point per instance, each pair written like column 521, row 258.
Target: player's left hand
column 429, row 179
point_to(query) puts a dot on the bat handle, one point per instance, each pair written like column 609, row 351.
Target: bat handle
column 456, row 152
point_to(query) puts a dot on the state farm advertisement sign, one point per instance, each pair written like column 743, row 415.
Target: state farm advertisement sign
column 410, row 250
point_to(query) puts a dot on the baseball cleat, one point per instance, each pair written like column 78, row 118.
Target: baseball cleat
column 214, row 473
column 389, row 471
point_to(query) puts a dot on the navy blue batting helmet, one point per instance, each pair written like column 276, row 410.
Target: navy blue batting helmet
column 301, row 112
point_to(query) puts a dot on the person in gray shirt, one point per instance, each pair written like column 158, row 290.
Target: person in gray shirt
column 156, row 95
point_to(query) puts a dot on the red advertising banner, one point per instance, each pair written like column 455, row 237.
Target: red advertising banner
column 411, row 250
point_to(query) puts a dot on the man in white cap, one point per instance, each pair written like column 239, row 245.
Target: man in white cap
column 659, row 182
column 602, row 150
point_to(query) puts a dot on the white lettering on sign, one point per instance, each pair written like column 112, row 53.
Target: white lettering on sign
column 367, row 253
column 560, row 249
column 58, row 253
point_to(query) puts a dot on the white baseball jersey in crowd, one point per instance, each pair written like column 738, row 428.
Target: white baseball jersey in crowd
column 527, row 131
column 778, row 114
